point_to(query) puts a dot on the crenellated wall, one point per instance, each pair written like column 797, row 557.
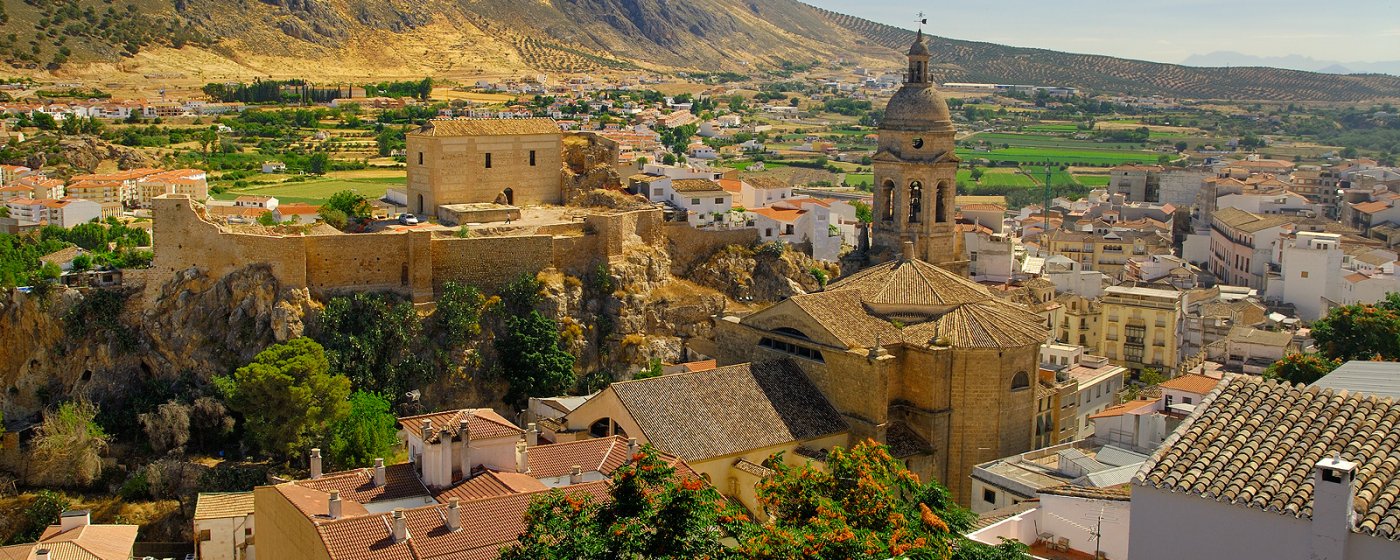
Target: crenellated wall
column 414, row 263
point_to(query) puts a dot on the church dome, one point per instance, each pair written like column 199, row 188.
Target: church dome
column 917, row 108
column 920, row 46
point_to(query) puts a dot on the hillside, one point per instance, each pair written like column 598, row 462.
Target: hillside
column 183, row 43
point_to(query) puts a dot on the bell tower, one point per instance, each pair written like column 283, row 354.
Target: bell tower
column 916, row 172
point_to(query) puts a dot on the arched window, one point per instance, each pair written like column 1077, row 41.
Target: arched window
column 602, row 428
column 1020, row 381
column 940, row 210
column 916, row 201
column 887, row 198
column 420, row 203
column 789, row 331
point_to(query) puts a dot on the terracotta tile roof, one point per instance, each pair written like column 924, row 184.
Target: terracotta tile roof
column 603, row 455
column 100, row 542
column 490, row 483
column 400, row 481
column 1121, row 493
column 216, row 505
column 1125, row 408
column 1191, row 383
column 702, row 365
column 297, row 208
column 778, row 214
column 488, row 524
column 765, row 182
column 1251, row 335
column 1372, row 207
column 1254, row 443
column 732, row 186
column 729, row 409
column 482, row 423
column 911, row 283
column 488, row 127
column 695, row 186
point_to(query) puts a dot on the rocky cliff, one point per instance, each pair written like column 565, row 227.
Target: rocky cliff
column 616, row 319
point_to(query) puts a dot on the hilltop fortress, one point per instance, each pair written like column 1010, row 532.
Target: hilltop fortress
column 415, row 263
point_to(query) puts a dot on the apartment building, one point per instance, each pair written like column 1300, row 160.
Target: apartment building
column 1141, row 327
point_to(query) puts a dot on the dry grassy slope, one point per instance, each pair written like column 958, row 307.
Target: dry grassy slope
column 355, row 40
column 970, row 61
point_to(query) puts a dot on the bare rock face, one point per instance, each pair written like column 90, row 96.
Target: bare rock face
column 767, row 273
column 208, row 326
column 86, row 153
column 196, row 326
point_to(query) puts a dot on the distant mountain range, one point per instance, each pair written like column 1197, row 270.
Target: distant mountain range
column 1294, row 62
column 359, row 40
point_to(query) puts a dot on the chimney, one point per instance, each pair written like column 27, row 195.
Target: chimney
column 315, row 462
column 632, row 449
column 576, row 475
column 522, row 457
column 532, row 434
column 400, row 526
column 378, row 473
column 336, row 506
column 445, row 454
column 454, row 515
column 907, row 251
column 466, row 449
column 426, row 430
column 1332, row 516
column 74, row 518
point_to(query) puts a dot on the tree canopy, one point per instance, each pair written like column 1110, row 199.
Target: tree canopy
column 371, row 338
column 1361, row 332
column 287, row 396
column 529, row 353
column 369, row 431
column 865, row 505
column 1301, row 368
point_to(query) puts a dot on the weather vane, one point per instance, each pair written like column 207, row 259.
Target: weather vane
column 922, row 20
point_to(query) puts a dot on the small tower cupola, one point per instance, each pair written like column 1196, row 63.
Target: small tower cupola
column 918, row 61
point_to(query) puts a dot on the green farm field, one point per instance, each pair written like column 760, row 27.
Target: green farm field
column 317, row 191
column 1056, row 156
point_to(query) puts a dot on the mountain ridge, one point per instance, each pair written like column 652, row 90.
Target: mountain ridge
column 357, row 40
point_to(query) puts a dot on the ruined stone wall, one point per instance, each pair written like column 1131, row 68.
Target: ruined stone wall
column 415, row 263
column 489, row 262
column 690, row 246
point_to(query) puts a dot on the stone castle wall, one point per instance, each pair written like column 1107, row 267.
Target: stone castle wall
column 414, row 263
column 690, row 246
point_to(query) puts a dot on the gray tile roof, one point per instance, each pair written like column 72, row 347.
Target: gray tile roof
column 1381, row 379
column 1254, row 443
column 727, row 410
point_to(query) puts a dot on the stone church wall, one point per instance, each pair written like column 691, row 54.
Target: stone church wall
column 415, row 263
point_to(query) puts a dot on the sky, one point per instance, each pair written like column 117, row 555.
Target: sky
column 1160, row 31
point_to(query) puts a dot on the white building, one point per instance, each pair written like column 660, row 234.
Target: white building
column 223, row 526
column 1310, row 273
column 704, row 200
column 256, row 201
column 990, row 255
column 1070, row 277
column 1086, row 521
column 1264, row 470
column 1085, row 463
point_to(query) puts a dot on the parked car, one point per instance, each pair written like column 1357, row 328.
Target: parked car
column 408, row 219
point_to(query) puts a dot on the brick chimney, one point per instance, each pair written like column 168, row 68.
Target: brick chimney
column 454, row 515
column 400, row 525
column 336, row 505
column 74, row 518
column 378, row 473
column 532, row 434
column 1332, row 514
column 315, row 462
column 522, row 457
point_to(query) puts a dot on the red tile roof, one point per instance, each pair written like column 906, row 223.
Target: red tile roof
column 1125, row 408
column 1191, row 383
column 482, row 423
column 400, row 481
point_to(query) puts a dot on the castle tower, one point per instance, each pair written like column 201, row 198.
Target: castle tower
column 916, row 172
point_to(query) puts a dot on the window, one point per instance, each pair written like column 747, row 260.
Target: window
column 420, row 158
column 768, row 232
column 1185, row 400
column 657, row 192
column 1020, row 381
column 488, row 161
column 916, row 201
column 694, row 202
column 532, row 158
column 888, row 200
column 1169, row 400
column 790, row 348
column 719, row 201
column 989, row 495
column 940, row 212
column 1305, row 274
